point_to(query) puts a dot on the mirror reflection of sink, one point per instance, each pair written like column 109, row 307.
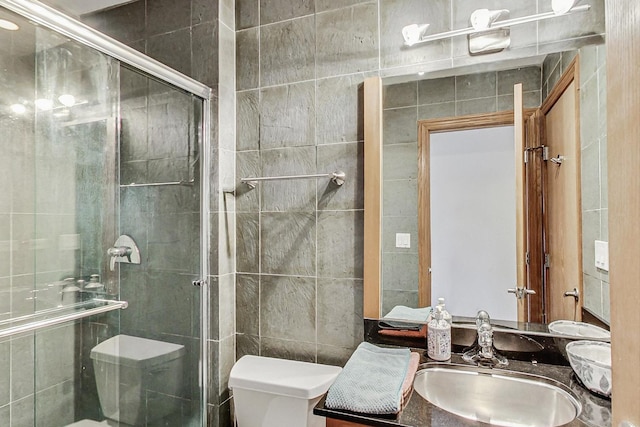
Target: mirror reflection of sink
column 502, row 341
column 578, row 330
column 497, row 397
column 575, row 330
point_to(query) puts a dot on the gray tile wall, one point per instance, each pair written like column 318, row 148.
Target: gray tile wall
column 299, row 110
column 299, row 284
column 593, row 138
column 404, row 105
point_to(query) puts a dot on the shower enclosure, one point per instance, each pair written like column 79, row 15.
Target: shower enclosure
column 97, row 142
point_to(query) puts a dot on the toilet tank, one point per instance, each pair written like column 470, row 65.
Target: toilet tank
column 138, row 379
column 270, row 392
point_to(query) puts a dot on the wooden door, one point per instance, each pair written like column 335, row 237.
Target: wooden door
column 563, row 242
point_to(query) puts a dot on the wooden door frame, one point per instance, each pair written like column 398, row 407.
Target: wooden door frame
column 425, row 128
column 623, row 157
column 372, row 268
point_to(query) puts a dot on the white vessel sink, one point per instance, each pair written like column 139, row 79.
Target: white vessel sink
column 497, row 397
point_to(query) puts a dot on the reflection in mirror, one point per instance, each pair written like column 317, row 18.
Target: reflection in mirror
column 489, row 92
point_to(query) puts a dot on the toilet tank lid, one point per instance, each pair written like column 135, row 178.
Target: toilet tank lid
column 284, row 377
column 136, row 352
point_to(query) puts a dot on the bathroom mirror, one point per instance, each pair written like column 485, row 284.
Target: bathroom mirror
column 488, row 88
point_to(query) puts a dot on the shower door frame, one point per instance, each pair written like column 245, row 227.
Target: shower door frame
column 82, row 33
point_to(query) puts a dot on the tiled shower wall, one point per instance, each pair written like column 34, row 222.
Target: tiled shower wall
column 195, row 37
column 300, row 68
column 404, row 105
column 593, row 139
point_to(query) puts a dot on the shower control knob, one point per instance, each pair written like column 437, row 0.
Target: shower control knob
column 199, row 283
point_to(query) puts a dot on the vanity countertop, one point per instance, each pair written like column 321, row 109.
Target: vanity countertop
column 596, row 411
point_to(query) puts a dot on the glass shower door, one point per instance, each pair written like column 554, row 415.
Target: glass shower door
column 160, row 209
column 93, row 150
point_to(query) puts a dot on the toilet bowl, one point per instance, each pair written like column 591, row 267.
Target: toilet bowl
column 271, row 392
column 137, row 380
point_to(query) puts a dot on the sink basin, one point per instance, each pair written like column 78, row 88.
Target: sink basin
column 497, row 397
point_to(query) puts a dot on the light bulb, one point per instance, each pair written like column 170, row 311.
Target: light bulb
column 414, row 33
column 43, row 104
column 18, row 108
column 67, row 100
column 8, row 25
column 481, row 19
column 560, row 7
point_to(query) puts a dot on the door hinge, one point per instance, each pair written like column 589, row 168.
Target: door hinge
column 527, row 258
column 545, row 153
column 526, row 156
column 547, row 262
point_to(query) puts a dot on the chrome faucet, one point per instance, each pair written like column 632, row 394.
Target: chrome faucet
column 483, row 351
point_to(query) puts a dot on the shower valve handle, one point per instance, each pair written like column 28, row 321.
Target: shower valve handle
column 120, row 251
column 124, row 250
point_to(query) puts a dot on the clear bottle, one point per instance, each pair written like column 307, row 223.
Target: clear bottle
column 71, row 292
column 445, row 314
column 439, row 337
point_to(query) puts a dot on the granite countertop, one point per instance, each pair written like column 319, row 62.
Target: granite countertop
column 596, row 411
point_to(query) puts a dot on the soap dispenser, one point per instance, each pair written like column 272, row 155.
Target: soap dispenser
column 439, row 337
column 445, row 314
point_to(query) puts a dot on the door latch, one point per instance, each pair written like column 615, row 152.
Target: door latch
column 520, row 293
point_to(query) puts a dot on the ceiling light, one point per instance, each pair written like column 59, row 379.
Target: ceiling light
column 43, row 104
column 67, row 100
column 560, row 7
column 414, row 33
column 481, row 19
column 18, row 108
column 8, row 25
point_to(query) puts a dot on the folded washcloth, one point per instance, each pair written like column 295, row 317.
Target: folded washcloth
column 404, row 333
column 371, row 381
column 407, row 385
column 408, row 313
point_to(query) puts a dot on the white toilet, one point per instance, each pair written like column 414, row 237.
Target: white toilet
column 136, row 378
column 271, row 392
